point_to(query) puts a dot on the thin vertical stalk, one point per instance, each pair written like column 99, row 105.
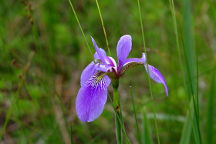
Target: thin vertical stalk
column 192, row 73
column 121, row 122
column 186, row 132
column 147, row 137
column 211, row 109
column 191, row 68
column 120, row 128
column 149, row 81
column 118, row 113
column 102, row 23
column 141, row 25
column 81, row 29
column 172, row 7
column 135, row 116
column 118, row 119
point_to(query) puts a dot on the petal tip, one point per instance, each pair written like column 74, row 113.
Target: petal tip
column 124, row 47
column 156, row 76
column 127, row 36
column 92, row 39
column 166, row 90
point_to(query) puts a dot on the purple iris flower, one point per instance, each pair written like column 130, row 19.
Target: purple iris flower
column 96, row 78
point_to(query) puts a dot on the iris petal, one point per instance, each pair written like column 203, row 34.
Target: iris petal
column 156, row 76
column 87, row 73
column 91, row 98
column 103, row 68
column 108, row 60
column 131, row 62
column 124, row 47
column 100, row 52
column 136, row 60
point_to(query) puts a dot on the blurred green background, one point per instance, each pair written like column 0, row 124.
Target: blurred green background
column 43, row 52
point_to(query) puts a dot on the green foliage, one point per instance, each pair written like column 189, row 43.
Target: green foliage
column 44, row 46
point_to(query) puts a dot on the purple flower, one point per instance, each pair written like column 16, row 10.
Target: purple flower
column 96, row 78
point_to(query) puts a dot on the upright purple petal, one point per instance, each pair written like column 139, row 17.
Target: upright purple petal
column 91, row 98
column 100, row 52
column 87, row 73
column 156, row 76
column 108, row 60
column 124, row 47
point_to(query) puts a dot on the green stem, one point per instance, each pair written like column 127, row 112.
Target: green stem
column 118, row 113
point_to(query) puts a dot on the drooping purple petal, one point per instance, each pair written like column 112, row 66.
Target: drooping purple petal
column 124, row 47
column 100, row 52
column 91, row 98
column 156, row 76
column 87, row 73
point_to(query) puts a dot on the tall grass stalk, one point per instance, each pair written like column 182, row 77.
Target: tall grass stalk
column 149, row 81
column 210, row 112
column 191, row 70
column 138, row 133
column 141, row 25
column 80, row 27
column 147, row 137
column 186, row 132
column 174, row 19
column 102, row 23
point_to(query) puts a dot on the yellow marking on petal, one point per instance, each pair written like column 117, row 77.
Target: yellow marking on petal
column 100, row 75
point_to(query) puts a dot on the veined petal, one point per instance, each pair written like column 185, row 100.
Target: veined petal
column 124, row 47
column 131, row 62
column 100, row 52
column 87, row 73
column 136, row 60
column 91, row 70
column 91, row 98
column 156, row 76
column 103, row 68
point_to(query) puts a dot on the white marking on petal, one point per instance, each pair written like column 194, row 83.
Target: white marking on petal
column 112, row 62
column 96, row 82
